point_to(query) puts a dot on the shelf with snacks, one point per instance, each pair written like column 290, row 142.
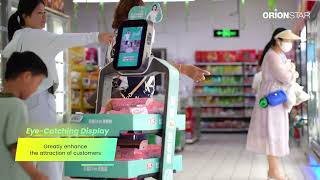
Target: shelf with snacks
column 223, row 85
column 84, row 72
column 226, row 98
column 223, row 130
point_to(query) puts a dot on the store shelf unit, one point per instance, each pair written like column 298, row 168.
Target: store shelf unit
column 84, row 72
column 226, row 99
column 151, row 123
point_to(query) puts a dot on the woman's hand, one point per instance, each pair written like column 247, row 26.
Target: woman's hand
column 105, row 38
column 193, row 72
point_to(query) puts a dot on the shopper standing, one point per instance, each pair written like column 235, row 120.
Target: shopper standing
column 269, row 128
column 26, row 34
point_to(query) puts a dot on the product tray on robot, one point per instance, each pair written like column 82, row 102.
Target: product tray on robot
column 116, row 123
column 118, row 169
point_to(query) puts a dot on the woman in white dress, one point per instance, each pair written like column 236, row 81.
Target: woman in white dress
column 269, row 127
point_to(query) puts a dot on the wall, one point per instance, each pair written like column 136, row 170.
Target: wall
column 183, row 36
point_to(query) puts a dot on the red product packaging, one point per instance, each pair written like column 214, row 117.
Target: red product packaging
column 199, row 56
column 259, row 55
column 247, row 55
column 227, row 56
column 212, row 56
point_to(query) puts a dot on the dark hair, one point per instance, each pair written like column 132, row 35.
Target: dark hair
column 271, row 43
column 24, row 62
column 25, row 7
column 122, row 11
column 155, row 6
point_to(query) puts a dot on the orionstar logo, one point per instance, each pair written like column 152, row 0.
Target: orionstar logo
column 285, row 15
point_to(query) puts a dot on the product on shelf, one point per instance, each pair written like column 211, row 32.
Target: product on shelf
column 227, row 56
column 248, row 80
column 259, row 54
column 75, row 80
column 219, row 90
column 76, row 100
column 250, row 69
column 247, row 55
column 132, row 106
column 86, row 96
column 129, row 154
column 84, row 77
column 226, row 124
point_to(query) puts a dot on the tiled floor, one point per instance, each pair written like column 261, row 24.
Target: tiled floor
column 223, row 157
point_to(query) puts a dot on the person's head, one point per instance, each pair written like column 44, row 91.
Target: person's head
column 154, row 7
column 281, row 39
column 30, row 13
column 122, row 11
column 25, row 71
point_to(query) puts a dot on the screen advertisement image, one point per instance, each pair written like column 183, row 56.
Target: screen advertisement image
column 130, row 47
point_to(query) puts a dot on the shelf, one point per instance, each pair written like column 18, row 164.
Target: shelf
column 75, row 107
column 223, row 85
column 83, row 88
column 220, row 64
column 88, row 107
column 220, row 106
column 249, row 95
column 117, row 123
column 249, row 74
column 230, row 74
column 117, row 169
column 225, row 63
column 224, row 130
column 226, row 116
column 250, row 63
column 219, row 95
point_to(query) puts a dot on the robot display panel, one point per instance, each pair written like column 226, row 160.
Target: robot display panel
column 130, row 45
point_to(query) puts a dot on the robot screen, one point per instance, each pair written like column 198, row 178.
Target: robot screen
column 130, row 45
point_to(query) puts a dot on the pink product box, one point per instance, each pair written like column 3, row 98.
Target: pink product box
column 121, row 103
column 152, row 151
column 135, row 106
column 127, row 154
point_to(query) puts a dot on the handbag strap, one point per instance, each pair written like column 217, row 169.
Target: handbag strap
column 135, row 89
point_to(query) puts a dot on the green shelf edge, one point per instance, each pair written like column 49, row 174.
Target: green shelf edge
column 125, row 122
column 117, row 169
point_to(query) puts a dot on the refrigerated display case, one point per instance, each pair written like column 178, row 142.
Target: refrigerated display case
column 313, row 55
column 299, row 114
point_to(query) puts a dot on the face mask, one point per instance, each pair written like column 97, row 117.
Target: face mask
column 286, row 46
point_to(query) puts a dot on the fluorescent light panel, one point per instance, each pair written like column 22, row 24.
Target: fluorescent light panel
column 110, row 1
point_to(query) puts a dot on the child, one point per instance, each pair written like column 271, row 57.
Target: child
column 24, row 73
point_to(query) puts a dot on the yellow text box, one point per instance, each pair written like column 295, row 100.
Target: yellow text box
column 66, row 149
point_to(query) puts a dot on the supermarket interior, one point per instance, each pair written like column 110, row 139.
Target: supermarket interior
column 216, row 119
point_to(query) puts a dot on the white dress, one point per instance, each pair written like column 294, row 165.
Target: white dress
column 269, row 128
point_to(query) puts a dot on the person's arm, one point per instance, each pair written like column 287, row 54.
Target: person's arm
column 59, row 42
column 193, row 72
column 279, row 70
column 28, row 167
